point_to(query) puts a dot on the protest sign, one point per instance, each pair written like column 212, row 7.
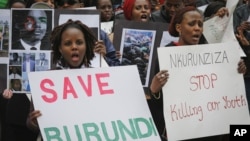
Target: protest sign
column 204, row 93
column 92, row 104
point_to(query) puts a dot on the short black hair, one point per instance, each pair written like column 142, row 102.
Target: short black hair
column 11, row 2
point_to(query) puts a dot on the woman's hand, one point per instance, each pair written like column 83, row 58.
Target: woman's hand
column 159, row 81
column 33, row 118
column 100, row 48
column 222, row 12
column 242, row 67
column 7, row 94
column 243, row 40
column 245, row 25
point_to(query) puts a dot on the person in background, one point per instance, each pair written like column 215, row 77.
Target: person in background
column 181, row 24
column 137, row 10
column 106, row 9
column 216, row 8
column 245, row 44
column 155, row 5
column 50, row 3
column 72, row 37
column 242, row 32
column 107, row 15
column 202, row 2
column 16, row 4
column 69, row 4
column 241, row 18
column 16, row 60
column 167, row 11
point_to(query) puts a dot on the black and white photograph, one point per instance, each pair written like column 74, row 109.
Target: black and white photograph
column 4, row 29
column 15, row 58
column 31, row 29
column 42, row 62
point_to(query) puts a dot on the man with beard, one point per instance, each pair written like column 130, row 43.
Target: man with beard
column 32, row 32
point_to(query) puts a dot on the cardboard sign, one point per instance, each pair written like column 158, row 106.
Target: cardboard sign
column 92, row 104
column 205, row 94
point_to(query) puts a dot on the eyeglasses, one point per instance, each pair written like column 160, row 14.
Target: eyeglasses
column 70, row 2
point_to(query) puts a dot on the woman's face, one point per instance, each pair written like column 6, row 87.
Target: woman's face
column 105, row 6
column 73, row 47
column 190, row 29
column 141, row 11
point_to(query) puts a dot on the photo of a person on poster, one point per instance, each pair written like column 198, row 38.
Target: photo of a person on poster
column 42, row 63
column 15, row 59
column 30, row 29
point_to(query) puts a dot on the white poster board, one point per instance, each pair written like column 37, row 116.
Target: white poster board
column 92, row 104
column 217, row 29
column 204, row 93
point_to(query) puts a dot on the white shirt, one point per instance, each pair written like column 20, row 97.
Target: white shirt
column 15, row 76
column 27, row 66
column 27, row 46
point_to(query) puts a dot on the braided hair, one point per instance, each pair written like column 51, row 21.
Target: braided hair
column 56, row 37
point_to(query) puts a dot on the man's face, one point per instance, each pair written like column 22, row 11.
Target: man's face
column 35, row 26
column 16, row 85
column 15, row 56
column 14, row 70
column 172, row 6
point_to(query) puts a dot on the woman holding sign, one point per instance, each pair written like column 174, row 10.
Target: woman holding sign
column 73, row 47
column 187, row 24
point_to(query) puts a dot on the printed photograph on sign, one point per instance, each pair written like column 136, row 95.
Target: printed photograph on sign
column 23, row 62
column 136, row 49
column 4, row 29
column 31, row 29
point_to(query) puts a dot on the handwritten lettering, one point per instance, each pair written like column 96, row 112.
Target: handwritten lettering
column 215, row 32
column 212, row 106
column 185, row 111
column 191, row 59
column 205, row 81
column 234, row 102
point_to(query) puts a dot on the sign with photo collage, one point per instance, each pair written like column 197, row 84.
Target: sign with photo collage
column 29, row 46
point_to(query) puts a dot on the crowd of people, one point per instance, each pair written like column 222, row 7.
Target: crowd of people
column 73, row 45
